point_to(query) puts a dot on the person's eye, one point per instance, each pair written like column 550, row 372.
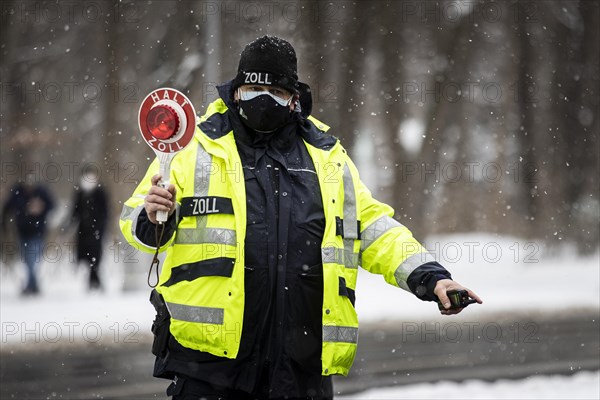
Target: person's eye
column 256, row 89
column 278, row 93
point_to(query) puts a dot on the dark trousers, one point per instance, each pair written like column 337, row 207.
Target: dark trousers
column 191, row 389
column 31, row 251
column 184, row 388
column 90, row 252
column 94, row 277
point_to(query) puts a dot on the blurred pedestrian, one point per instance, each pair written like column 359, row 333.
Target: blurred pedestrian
column 90, row 212
column 30, row 203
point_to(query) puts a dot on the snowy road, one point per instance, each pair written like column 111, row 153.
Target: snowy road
column 504, row 347
column 390, row 354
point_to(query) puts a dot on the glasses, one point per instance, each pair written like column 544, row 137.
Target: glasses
column 249, row 95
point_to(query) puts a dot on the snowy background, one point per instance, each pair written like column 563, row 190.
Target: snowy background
column 544, row 283
column 508, row 279
column 477, row 121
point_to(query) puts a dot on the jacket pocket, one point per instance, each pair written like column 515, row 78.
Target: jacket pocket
column 256, row 234
column 307, row 210
column 304, row 302
column 220, row 266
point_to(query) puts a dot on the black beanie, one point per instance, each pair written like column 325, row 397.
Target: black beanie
column 268, row 60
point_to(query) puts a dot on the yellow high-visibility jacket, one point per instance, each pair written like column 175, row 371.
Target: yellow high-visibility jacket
column 202, row 279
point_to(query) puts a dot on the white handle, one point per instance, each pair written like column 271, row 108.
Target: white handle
column 162, row 216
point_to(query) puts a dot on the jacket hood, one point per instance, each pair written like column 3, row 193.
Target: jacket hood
column 218, row 124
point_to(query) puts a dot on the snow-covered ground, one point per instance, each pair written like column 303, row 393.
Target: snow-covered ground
column 66, row 312
column 510, row 275
column 582, row 385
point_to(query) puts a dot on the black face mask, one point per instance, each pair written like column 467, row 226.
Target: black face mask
column 264, row 114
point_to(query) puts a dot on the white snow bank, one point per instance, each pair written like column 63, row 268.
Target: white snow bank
column 509, row 274
column 66, row 312
column 582, row 385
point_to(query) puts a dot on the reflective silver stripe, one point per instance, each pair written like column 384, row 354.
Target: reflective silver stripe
column 329, row 255
column 375, row 230
column 351, row 259
column 177, row 211
column 346, row 334
column 202, row 234
column 126, row 212
column 203, row 170
column 345, row 257
column 409, row 265
column 205, row 235
column 350, row 219
column 133, row 216
column 205, row 315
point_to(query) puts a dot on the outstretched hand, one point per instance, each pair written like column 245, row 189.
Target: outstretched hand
column 444, row 285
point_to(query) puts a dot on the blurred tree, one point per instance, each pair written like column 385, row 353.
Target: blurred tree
column 364, row 61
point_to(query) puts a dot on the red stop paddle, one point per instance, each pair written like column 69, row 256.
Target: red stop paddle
column 167, row 121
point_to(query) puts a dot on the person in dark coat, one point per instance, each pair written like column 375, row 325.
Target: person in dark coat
column 30, row 203
column 90, row 212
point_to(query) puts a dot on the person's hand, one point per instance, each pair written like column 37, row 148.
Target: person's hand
column 444, row 285
column 159, row 199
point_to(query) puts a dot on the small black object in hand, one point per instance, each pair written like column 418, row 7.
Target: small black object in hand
column 458, row 299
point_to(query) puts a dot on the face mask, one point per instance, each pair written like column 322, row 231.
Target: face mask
column 263, row 111
column 88, row 184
